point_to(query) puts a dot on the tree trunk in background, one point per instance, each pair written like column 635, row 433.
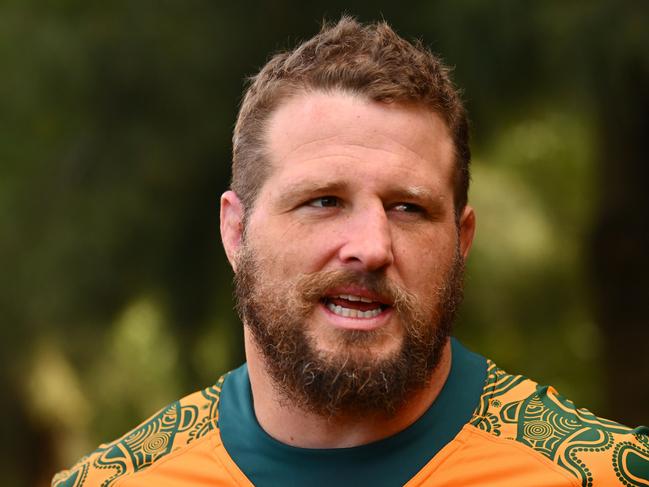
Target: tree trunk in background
column 620, row 243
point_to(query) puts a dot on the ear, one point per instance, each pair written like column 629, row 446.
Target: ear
column 467, row 230
column 231, row 226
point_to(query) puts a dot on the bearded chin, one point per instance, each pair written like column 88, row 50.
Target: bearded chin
column 351, row 381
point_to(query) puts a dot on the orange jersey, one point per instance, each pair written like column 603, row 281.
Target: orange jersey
column 519, row 434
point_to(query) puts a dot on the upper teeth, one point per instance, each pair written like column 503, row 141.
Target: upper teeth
column 352, row 297
column 353, row 313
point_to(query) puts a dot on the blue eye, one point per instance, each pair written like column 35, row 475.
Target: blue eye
column 325, row 202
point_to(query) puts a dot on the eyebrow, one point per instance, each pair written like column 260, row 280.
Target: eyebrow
column 301, row 190
column 418, row 193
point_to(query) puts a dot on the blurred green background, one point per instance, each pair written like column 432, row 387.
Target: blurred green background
column 115, row 125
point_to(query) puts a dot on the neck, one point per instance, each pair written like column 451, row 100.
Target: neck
column 296, row 427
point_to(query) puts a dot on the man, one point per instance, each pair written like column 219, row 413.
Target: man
column 347, row 227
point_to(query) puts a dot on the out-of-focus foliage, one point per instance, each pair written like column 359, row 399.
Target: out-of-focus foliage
column 526, row 298
column 115, row 120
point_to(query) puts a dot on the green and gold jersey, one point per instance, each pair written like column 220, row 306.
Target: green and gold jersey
column 486, row 427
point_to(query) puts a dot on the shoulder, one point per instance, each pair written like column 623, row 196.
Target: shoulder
column 596, row 451
column 174, row 427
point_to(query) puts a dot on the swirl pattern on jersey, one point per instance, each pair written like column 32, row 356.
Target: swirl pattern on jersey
column 518, row 409
column 176, row 425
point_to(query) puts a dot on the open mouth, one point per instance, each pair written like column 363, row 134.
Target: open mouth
column 354, row 306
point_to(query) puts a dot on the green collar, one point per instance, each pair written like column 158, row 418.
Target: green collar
column 388, row 462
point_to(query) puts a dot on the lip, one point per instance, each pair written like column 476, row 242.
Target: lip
column 362, row 324
column 358, row 291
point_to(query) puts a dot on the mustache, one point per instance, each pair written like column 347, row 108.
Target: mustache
column 314, row 286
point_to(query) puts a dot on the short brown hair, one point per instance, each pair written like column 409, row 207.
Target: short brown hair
column 368, row 60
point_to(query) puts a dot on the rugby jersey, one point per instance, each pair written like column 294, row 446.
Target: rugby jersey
column 486, row 427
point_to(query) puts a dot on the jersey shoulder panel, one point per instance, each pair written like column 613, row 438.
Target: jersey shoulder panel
column 597, row 451
column 171, row 429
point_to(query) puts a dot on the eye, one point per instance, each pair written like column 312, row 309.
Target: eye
column 324, row 202
column 408, row 208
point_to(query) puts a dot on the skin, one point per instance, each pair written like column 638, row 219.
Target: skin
column 360, row 185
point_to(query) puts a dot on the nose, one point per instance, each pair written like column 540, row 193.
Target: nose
column 367, row 242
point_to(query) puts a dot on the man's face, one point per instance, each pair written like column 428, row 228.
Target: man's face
column 349, row 269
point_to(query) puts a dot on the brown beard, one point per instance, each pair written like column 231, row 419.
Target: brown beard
column 352, row 382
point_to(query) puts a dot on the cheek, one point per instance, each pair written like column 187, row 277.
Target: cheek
column 296, row 250
column 308, row 255
column 425, row 260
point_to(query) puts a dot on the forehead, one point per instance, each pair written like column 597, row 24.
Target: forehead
column 341, row 131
